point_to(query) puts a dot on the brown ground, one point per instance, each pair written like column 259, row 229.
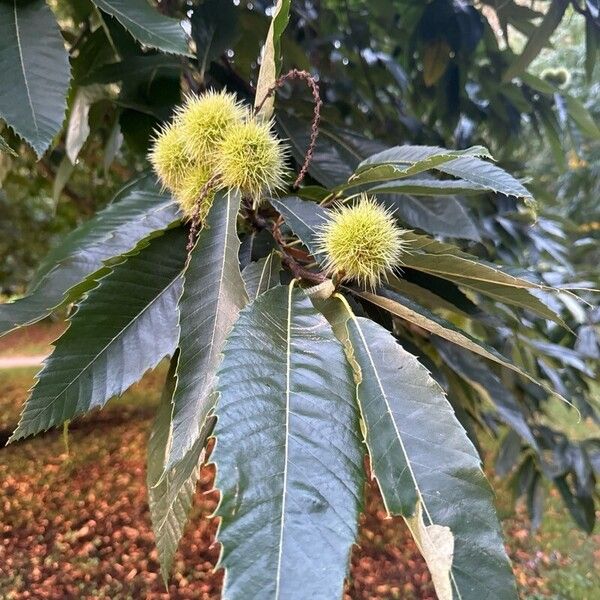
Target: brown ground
column 78, row 526
column 31, row 341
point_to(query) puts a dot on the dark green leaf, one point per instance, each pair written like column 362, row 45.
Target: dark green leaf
column 328, row 167
column 409, row 310
column 446, row 260
column 488, row 385
column 427, row 469
column 135, row 67
column 486, row 175
column 592, row 47
column 406, row 161
column 35, row 72
column 213, row 294
column 288, row 453
column 303, row 218
column 262, row 275
column 439, row 216
column 214, row 29
column 121, row 329
column 138, row 213
column 147, row 25
column 428, row 187
column 170, row 497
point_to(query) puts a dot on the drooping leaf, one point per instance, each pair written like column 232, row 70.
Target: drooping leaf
column 406, row 161
column 436, row 544
column 262, row 275
column 288, row 453
column 423, row 295
column 428, row 187
column 511, row 295
column 407, row 309
column 427, row 254
column 486, row 175
column 426, row 157
column 35, row 72
column 121, row 329
column 423, row 460
column 271, row 57
column 170, row 497
column 147, row 25
column 212, row 296
column 140, row 211
column 61, row 178
column 488, row 385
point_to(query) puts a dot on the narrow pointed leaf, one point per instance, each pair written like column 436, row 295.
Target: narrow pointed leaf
column 170, row 497
column 147, row 25
column 288, row 453
column 213, row 294
column 303, row 218
column 421, row 455
column 407, row 309
column 271, row 56
column 418, row 155
column 428, row 187
column 430, row 256
column 580, row 114
column 427, row 254
column 486, row 175
column 121, row 329
column 520, row 297
column 489, row 385
column 138, row 213
column 35, row 72
column 406, row 161
column 538, row 39
column 262, row 275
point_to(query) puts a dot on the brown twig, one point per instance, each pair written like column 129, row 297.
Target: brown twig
column 314, row 130
column 301, row 272
column 195, row 221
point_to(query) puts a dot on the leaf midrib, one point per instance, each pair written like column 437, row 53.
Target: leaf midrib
column 138, row 24
column 22, row 62
column 119, row 334
column 287, row 430
column 399, row 436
